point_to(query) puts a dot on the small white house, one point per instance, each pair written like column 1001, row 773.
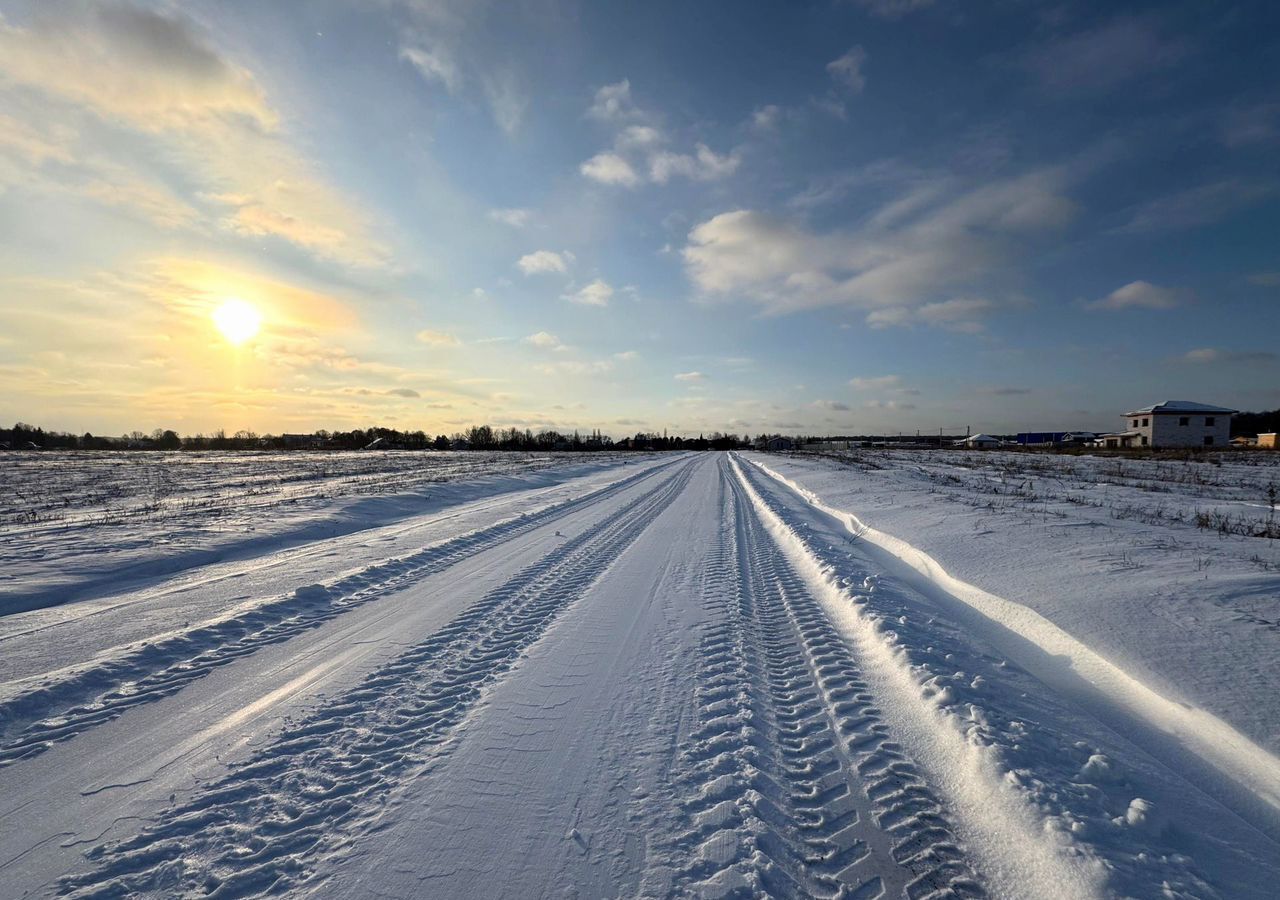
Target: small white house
column 1178, row 423
column 979, row 442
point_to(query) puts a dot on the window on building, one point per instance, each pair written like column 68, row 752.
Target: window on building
column 1208, row 420
column 1145, row 422
column 1184, row 420
column 1144, row 440
column 1208, row 440
column 1135, row 423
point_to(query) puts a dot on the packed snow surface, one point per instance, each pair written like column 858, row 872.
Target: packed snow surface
column 885, row 674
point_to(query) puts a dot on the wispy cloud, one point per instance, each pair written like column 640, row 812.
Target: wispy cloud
column 158, row 75
column 1200, row 205
column 1137, row 295
column 516, row 218
column 875, row 382
column 1205, row 355
column 545, row 340
column 437, row 338
column 702, row 165
column 1101, row 58
column 846, row 71
column 920, row 246
column 691, row 376
column 613, row 103
column 892, row 9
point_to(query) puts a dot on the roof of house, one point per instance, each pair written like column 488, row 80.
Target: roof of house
column 980, row 439
column 1180, row 406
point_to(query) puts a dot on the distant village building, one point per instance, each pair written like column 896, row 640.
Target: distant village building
column 1054, row 438
column 1268, row 440
column 778, row 444
column 300, row 441
column 1180, row 423
column 979, row 442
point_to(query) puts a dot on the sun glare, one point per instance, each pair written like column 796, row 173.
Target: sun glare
column 237, row 320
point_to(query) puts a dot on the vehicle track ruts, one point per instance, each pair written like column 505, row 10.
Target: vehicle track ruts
column 797, row 788
column 306, row 794
column 102, row 692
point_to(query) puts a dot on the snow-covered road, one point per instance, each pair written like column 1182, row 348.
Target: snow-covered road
column 682, row 678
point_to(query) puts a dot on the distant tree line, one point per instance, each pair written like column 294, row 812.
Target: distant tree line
column 1251, row 423
column 481, row 437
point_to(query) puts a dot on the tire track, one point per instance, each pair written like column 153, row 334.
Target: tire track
column 67, row 706
column 798, row 790
column 324, row 780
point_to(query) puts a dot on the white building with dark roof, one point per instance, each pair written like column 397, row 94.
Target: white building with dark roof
column 1178, row 423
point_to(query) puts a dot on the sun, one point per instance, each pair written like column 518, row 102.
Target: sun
column 237, row 320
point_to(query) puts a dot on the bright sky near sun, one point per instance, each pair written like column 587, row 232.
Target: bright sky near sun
column 858, row 216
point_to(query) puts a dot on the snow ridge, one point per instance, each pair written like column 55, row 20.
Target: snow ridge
column 1216, row 756
column 1019, row 852
column 307, row 794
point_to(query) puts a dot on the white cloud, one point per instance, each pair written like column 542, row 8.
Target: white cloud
column 610, row 168
column 691, row 376
column 875, row 383
column 637, row 154
column 706, row 165
column 639, row 136
column 597, row 293
column 766, row 118
column 613, row 103
column 544, row 261
column 544, row 340
column 516, row 218
column 847, row 70
column 627, row 356
column 1137, row 295
column 895, row 265
column 437, row 338
column 433, row 66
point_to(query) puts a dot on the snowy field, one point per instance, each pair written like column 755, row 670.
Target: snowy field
column 892, row 674
column 72, row 524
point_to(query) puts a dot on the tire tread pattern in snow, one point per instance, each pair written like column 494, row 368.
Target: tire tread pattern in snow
column 100, row 693
column 306, row 795
column 796, row 788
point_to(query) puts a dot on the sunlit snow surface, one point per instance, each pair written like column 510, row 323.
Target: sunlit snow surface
column 405, row 675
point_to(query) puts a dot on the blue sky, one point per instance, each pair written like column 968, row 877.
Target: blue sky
column 860, row 216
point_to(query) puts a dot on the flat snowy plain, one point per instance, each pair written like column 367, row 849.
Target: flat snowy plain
column 457, row 675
